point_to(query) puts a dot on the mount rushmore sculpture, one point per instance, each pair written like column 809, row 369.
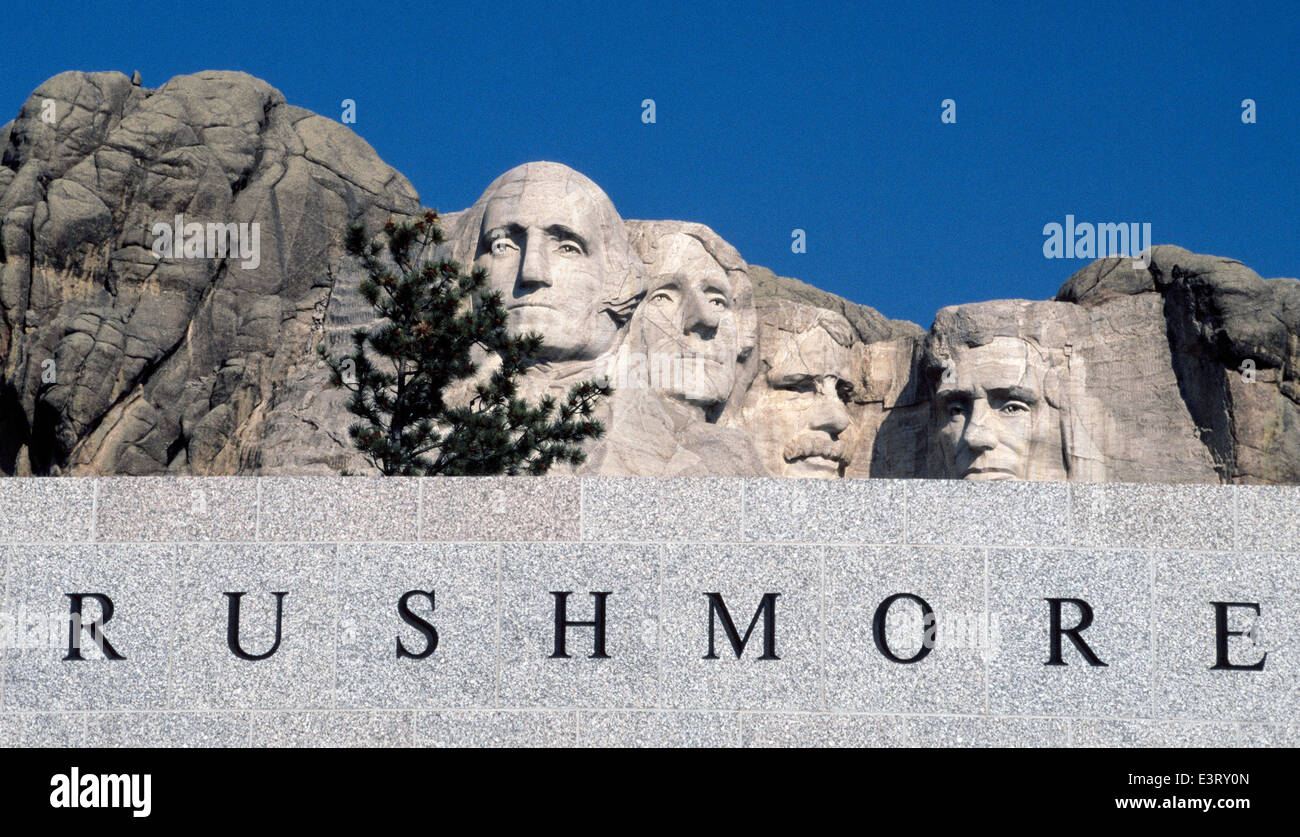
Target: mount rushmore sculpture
column 120, row 357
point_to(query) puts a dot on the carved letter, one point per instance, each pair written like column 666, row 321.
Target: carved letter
column 562, row 625
column 95, row 627
column 1221, row 634
column 232, row 626
column 430, row 633
column 766, row 609
column 878, row 628
column 1085, row 620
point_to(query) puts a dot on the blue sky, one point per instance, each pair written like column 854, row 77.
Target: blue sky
column 776, row 116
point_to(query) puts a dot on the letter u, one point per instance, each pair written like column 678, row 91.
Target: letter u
column 232, row 626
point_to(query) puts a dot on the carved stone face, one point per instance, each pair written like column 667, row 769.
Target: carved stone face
column 796, row 408
column 994, row 420
column 544, row 241
column 688, row 324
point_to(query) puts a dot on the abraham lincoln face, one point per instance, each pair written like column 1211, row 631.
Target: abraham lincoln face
column 994, row 418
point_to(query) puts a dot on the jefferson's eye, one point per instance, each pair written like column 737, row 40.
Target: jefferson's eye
column 718, row 302
column 956, row 410
column 660, row 296
column 1014, row 407
column 844, row 390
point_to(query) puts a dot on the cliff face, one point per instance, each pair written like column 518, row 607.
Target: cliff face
column 128, row 346
column 1233, row 341
column 1186, row 371
column 118, row 361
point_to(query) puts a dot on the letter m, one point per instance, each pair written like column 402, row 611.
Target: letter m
column 1109, row 238
column 766, row 610
column 222, row 239
column 117, row 788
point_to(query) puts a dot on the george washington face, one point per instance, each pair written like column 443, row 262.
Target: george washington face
column 545, row 241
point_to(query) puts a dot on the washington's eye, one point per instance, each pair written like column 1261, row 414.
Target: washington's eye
column 568, row 248
column 956, row 410
column 661, row 296
column 718, row 302
column 1014, row 407
column 501, row 246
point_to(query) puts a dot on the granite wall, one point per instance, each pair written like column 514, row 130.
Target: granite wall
column 488, row 556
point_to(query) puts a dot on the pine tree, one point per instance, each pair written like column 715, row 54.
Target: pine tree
column 399, row 370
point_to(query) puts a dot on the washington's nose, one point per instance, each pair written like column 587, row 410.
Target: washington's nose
column 699, row 316
column 829, row 415
column 534, row 268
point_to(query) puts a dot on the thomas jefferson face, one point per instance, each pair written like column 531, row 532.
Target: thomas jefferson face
column 994, row 421
column 543, row 245
column 688, row 324
column 797, row 409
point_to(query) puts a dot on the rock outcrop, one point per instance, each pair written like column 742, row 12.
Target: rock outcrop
column 170, row 259
column 118, row 361
column 1185, row 371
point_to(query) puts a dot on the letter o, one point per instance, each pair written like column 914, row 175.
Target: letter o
column 878, row 627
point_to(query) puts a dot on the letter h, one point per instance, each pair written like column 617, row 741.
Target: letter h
column 562, row 625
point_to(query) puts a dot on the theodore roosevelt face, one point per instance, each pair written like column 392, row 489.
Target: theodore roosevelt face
column 798, row 404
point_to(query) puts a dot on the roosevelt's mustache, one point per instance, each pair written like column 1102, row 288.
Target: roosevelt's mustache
column 815, row 444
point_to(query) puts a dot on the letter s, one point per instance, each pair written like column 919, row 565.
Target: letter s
column 430, row 633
